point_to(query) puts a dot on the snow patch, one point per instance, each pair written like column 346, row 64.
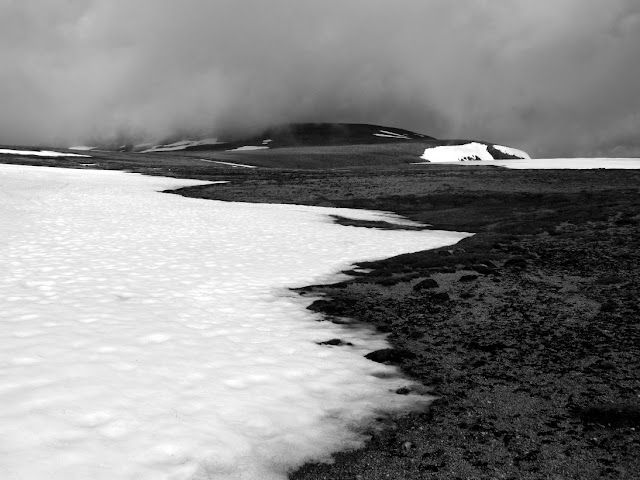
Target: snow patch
column 514, row 152
column 389, row 134
column 248, row 148
column 39, row 153
column 162, row 342
column 457, row 153
column 231, row 164
column 563, row 163
column 182, row 145
column 82, row 148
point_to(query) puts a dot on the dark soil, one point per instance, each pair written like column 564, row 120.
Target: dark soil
column 528, row 332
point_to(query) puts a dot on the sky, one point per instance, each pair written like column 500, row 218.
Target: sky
column 554, row 78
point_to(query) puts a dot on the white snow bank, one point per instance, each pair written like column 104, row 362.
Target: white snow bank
column 570, row 163
column 151, row 336
column 38, row 153
column 563, row 163
column 248, row 148
column 181, row 145
column 457, row 153
column 514, row 152
column 82, row 148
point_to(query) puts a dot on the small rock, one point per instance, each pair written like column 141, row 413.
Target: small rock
column 516, row 263
column 468, row 278
column 389, row 355
column 425, row 284
column 407, row 447
column 439, row 297
column 335, row 342
column 483, row 269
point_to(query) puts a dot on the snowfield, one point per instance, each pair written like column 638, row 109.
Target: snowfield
column 38, row 153
column 145, row 335
column 514, row 152
column 457, row 153
column 248, row 148
column 560, row 163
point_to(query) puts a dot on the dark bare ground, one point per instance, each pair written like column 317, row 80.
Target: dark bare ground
column 535, row 355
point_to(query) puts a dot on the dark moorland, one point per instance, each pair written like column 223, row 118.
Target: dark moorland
column 528, row 332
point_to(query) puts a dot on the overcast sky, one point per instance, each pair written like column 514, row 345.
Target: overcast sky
column 557, row 77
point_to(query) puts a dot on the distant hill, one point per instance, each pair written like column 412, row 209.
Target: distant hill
column 323, row 140
column 295, row 135
column 291, row 146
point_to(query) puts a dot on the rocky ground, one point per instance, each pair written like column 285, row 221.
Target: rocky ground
column 528, row 333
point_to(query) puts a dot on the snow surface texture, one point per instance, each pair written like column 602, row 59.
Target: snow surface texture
column 563, row 163
column 38, row 153
column 145, row 335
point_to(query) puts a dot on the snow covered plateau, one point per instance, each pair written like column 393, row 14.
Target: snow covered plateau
column 145, row 335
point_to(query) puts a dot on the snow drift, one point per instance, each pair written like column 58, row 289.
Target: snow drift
column 473, row 151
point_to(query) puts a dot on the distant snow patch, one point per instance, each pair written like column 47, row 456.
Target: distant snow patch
column 514, row 152
column 231, row 164
column 248, row 148
column 267, row 141
column 457, row 153
column 82, row 148
column 38, row 153
column 563, row 163
column 182, row 145
column 389, row 134
column 570, row 163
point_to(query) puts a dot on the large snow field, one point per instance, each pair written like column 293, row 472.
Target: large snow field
column 38, row 153
column 150, row 336
column 567, row 163
column 477, row 154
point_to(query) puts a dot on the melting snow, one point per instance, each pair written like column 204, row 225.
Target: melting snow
column 247, row 148
column 181, row 145
column 82, row 148
column 151, row 336
column 457, row 153
column 563, row 163
column 38, row 153
column 231, row 164
column 389, row 134
column 514, row 152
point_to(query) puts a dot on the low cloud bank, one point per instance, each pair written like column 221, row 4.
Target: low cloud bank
column 554, row 79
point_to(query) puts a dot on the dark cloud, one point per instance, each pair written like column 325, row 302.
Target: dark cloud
column 554, row 77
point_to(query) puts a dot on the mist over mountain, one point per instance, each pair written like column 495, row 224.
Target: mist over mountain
column 553, row 78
